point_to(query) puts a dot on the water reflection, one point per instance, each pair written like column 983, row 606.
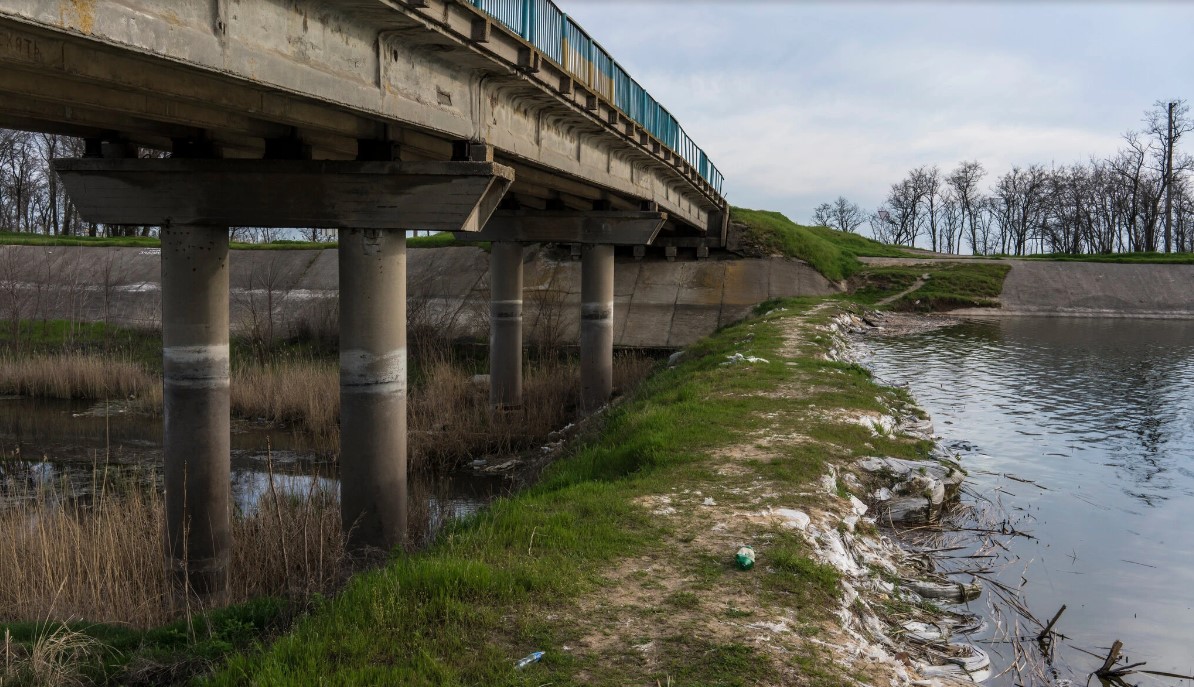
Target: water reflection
column 72, row 449
column 1101, row 413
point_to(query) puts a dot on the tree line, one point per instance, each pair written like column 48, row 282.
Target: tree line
column 1139, row 199
column 31, row 196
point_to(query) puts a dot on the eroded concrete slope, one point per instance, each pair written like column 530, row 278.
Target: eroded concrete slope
column 658, row 304
column 1087, row 288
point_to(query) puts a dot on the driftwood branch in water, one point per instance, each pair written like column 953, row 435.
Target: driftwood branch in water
column 1112, row 657
column 1044, row 635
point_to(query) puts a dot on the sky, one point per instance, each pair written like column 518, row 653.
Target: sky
column 800, row 102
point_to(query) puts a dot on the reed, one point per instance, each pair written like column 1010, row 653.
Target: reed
column 75, row 375
column 451, row 421
column 99, row 557
column 449, row 416
column 300, row 393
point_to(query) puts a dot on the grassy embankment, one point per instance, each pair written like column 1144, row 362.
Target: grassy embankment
column 832, row 253
column 835, row 254
column 608, row 564
column 948, row 286
column 588, row 567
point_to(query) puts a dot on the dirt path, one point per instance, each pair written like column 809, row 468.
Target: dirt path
column 686, row 596
column 921, row 281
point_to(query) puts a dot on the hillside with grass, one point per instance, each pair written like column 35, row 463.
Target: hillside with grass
column 832, row 253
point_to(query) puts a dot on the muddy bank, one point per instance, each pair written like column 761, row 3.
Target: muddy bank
column 901, row 609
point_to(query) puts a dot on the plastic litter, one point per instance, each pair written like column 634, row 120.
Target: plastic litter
column 745, row 557
column 739, row 358
column 529, row 659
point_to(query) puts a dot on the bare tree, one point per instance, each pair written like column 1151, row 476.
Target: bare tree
column 964, row 181
column 823, row 215
column 1019, row 206
column 841, row 214
column 1167, row 122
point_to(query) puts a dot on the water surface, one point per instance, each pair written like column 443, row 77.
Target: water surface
column 1100, row 414
column 57, row 444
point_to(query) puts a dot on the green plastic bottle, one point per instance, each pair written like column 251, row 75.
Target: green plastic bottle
column 745, row 557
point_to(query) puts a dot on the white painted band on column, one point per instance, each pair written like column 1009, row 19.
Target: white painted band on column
column 505, row 310
column 196, row 363
column 597, row 311
column 360, row 370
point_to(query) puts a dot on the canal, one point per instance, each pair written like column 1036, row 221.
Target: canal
column 1081, row 432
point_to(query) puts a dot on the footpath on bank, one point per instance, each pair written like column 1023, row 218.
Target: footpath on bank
column 619, row 566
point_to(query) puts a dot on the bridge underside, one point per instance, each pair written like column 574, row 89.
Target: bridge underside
column 337, row 81
column 371, row 117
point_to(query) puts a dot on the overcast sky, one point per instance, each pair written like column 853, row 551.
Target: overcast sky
column 799, row 102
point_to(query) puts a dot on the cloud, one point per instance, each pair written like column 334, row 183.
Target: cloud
column 800, row 102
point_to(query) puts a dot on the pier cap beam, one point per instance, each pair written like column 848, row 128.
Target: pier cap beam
column 325, row 194
column 592, row 227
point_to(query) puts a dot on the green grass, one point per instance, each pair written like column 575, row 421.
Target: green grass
column 860, row 245
column 832, row 253
column 443, row 239
column 506, row 581
column 774, row 234
column 486, row 593
column 163, row 655
column 55, row 336
column 1126, row 258
column 23, row 239
column 282, row 244
column 949, row 286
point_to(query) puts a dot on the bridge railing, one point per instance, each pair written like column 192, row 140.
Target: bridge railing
column 544, row 25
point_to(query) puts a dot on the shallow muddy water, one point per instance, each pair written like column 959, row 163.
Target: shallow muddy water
column 1099, row 416
column 51, row 443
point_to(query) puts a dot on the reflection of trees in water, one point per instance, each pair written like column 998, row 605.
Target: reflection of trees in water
column 1121, row 386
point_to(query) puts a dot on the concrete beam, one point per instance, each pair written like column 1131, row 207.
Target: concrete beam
column 360, row 67
column 434, row 196
column 547, row 226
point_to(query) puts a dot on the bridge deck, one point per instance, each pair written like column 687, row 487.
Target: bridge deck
column 309, row 78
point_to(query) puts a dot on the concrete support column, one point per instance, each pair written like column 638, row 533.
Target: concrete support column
column 196, row 406
column 505, row 325
column 596, row 326
column 373, row 500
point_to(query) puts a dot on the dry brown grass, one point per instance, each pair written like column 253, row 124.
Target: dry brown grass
column 54, row 659
column 62, row 559
column 451, row 421
column 303, row 394
column 75, row 375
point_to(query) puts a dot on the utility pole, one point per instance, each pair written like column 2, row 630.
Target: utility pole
column 1169, row 181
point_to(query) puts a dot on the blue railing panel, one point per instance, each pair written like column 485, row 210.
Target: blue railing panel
column 542, row 24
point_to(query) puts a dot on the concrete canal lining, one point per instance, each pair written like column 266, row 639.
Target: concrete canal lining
column 657, row 304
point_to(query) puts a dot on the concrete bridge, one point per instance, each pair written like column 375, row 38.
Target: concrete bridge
column 374, row 117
